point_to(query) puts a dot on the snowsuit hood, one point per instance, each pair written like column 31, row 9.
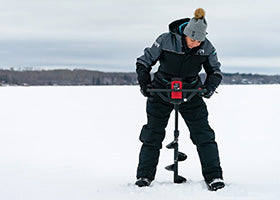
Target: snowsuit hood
column 178, row 26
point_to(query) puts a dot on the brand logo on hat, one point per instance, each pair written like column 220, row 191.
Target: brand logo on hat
column 193, row 33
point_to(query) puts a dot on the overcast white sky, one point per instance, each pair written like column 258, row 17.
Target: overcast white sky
column 110, row 34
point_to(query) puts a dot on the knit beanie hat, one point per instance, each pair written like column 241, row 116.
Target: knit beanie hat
column 196, row 28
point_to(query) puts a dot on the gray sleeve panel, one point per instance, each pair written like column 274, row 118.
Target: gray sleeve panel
column 213, row 61
column 212, row 65
column 151, row 54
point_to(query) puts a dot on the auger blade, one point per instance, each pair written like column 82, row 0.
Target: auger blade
column 172, row 145
column 170, row 167
column 180, row 179
column 182, row 156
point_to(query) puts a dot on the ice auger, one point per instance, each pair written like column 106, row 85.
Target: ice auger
column 176, row 95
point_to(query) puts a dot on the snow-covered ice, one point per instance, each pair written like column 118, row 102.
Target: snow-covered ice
column 81, row 143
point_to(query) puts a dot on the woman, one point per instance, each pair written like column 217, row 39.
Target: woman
column 181, row 53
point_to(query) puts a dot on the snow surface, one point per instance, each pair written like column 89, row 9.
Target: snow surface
column 81, row 143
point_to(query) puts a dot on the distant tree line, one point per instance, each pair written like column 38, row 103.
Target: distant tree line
column 89, row 77
column 65, row 77
column 240, row 78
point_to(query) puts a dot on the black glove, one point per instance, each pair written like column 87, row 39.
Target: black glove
column 212, row 81
column 144, row 90
column 144, row 79
column 206, row 94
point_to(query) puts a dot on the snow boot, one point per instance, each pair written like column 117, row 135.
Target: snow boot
column 215, row 184
column 143, row 182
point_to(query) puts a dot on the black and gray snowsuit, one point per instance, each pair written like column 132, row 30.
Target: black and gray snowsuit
column 177, row 60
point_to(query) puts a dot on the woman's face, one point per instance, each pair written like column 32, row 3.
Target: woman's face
column 191, row 43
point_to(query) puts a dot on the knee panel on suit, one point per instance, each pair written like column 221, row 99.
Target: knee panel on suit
column 202, row 134
column 151, row 137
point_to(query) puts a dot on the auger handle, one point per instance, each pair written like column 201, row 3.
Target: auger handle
column 200, row 90
column 176, row 101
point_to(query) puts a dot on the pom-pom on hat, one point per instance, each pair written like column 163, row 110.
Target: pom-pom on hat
column 196, row 28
